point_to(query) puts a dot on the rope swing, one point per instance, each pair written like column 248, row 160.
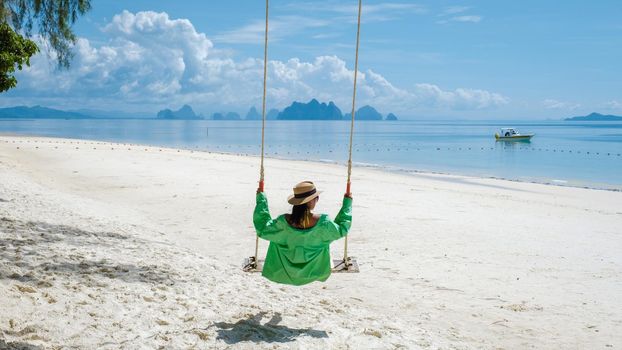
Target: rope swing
column 347, row 264
column 263, row 120
column 346, row 259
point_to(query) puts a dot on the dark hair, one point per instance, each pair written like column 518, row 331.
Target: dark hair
column 298, row 214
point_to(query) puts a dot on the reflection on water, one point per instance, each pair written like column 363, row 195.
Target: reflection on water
column 577, row 152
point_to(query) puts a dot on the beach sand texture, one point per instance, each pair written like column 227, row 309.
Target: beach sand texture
column 108, row 246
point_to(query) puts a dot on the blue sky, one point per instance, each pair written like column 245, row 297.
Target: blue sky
column 428, row 59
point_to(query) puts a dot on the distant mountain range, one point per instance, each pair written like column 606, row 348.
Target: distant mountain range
column 226, row 116
column 595, row 117
column 313, row 110
column 253, row 114
column 97, row 113
column 38, row 112
column 185, row 112
column 391, row 116
column 365, row 113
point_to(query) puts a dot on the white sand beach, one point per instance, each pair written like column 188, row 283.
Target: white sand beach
column 110, row 246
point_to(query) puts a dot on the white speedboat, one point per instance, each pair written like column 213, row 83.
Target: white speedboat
column 510, row 134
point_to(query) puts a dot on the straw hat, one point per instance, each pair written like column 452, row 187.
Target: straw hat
column 303, row 192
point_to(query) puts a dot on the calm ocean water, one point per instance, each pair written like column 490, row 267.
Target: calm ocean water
column 566, row 153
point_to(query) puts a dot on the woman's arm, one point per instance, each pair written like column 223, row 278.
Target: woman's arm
column 341, row 225
column 266, row 227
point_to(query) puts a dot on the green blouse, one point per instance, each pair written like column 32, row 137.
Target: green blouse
column 299, row 256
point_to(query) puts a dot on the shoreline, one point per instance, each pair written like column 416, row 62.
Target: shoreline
column 380, row 167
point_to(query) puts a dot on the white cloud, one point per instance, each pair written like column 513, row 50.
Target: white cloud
column 151, row 61
column 352, row 8
column 449, row 15
column 383, row 10
column 279, row 28
column 555, row 104
column 459, row 99
column 462, row 19
column 386, row 11
column 454, row 9
column 613, row 104
column 472, row 19
column 327, row 15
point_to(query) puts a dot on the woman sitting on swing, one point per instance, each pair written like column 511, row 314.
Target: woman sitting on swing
column 299, row 242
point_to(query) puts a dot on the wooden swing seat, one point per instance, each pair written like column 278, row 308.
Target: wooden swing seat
column 339, row 266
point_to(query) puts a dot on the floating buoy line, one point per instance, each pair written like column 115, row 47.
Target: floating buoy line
column 310, row 149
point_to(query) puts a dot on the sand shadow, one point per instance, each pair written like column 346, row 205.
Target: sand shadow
column 29, row 255
column 52, row 232
column 251, row 329
column 152, row 274
column 18, row 345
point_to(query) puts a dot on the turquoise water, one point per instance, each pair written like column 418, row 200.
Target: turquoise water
column 565, row 153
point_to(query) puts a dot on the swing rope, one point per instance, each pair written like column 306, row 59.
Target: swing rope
column 263, row 117
column 263, row 101
column 356, row 69
column 263, row 123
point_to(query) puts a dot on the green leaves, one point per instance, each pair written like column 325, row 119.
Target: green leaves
column 52, row 19
column 15, row 51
